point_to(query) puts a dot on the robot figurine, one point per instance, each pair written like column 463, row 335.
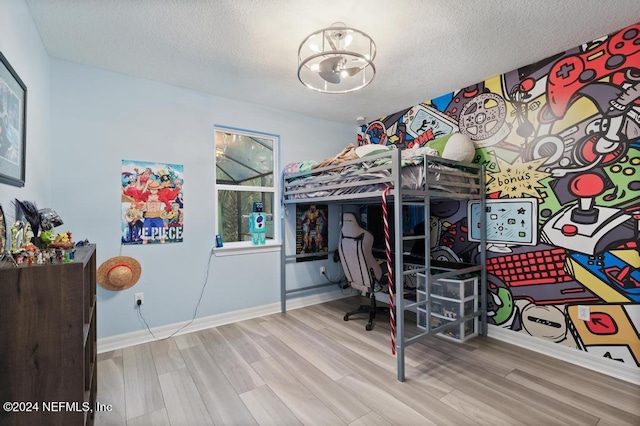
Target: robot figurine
column 258, row 224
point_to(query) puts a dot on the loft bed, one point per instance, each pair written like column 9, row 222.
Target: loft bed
column 403, row 177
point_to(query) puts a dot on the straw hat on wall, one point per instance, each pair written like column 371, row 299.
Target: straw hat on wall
column 119, row 273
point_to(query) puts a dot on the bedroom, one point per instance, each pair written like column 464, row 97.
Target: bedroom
column 77, row 112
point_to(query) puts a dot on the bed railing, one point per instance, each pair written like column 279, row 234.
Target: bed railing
column 368, row 176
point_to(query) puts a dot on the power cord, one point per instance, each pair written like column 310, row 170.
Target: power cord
column 342, row 282
column 195, row 312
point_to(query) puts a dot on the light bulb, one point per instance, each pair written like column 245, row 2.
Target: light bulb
column 347, row 40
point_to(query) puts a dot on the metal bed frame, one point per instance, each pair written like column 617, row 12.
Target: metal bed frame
column 433, row 190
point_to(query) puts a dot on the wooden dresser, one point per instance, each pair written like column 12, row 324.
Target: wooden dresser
column 48, row 341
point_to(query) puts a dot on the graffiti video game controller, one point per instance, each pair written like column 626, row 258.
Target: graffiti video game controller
column 572, row 73
column 586, row 227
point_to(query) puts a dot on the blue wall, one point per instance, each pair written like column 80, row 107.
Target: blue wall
column 20, row 43
column 100, row 118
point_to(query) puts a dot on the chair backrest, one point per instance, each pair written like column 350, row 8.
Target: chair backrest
column 356, row 254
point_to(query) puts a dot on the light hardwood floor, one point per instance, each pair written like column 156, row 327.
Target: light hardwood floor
column 309, row 367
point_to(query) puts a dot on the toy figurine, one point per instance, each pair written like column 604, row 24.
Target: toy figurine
column 27, row 234
column 17, row 236
column 47, row 237
column 258, row 224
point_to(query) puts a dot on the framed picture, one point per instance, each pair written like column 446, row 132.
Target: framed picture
column 3, row 232
column 13, row 120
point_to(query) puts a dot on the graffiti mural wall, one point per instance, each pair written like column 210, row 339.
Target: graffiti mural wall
column 560, row 140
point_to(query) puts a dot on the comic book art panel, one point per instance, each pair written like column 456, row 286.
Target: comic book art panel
column 152, row 203
column 312, row 231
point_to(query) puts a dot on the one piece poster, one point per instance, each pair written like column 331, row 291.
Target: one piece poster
column 152, row 203
column 311, row 231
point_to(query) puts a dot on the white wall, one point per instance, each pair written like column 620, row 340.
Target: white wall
column 100, row 118
column 20, row 43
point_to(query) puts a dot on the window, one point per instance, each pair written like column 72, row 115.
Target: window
column 245, row 162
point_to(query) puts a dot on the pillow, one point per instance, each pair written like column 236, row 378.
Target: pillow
column 371, row 149
column 459, row 147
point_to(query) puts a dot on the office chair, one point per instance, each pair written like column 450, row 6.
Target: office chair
column 360, row 267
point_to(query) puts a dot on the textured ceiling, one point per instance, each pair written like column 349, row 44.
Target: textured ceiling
column 247, row 49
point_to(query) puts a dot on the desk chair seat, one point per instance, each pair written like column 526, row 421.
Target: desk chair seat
column 362, row 271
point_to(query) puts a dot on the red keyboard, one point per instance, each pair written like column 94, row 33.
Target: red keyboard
column 536, row 267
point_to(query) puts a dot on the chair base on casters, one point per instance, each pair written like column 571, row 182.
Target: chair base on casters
column 372, row 310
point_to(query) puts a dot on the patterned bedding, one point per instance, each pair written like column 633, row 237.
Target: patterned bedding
column 369, row 175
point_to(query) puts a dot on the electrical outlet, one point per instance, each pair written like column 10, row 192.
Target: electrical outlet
column 139, row 297
column 323, row 270
column 584, row 313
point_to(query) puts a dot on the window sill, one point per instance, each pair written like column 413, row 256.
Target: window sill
column 245, row 247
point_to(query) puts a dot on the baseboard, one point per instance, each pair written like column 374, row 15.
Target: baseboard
column 119, row 341
column 584, row 359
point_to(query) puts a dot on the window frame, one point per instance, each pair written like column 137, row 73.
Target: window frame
column 243, row 247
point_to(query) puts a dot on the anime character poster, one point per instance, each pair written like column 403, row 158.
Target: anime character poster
column 152, row 203
column 311, row 231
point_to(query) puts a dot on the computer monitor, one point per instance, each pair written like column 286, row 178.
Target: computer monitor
column 510, row 222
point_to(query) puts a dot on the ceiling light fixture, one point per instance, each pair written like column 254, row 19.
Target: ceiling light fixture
column 337, row 59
